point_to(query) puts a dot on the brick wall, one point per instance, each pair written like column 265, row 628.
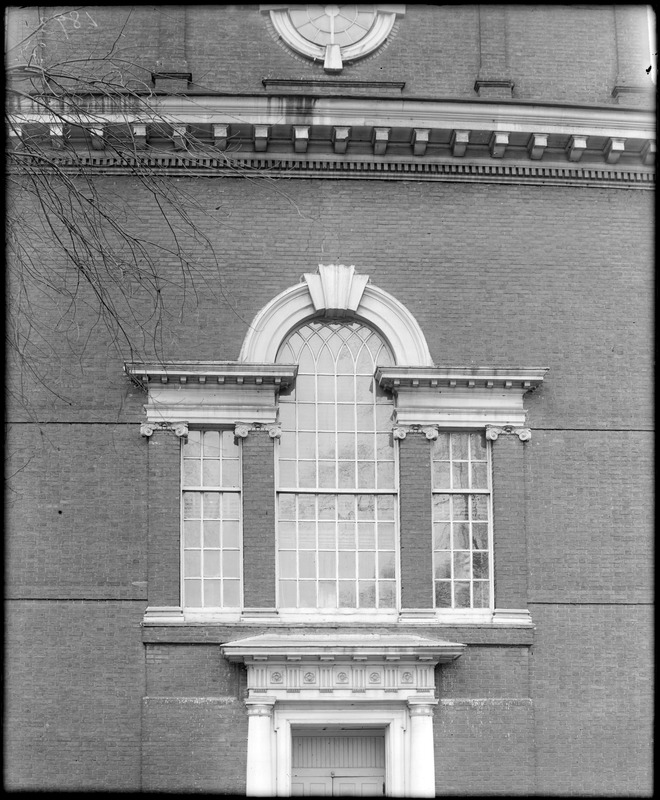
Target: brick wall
column 74, row 675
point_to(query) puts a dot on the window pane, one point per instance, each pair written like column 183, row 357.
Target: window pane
column 441, row 536
column 460, row 506
column 192, row 534
column 288, row 597
column 288, row 568
column 211, row 473
column 212, row 564
column 462, row 594
column 232, row 593
column 479, row 536
column 478, row 450
column 461, row 565
column 211, row 533
column 461, row 536
column 443, row 594
column 191, row 448
column 479, row 475
column 211, row 502
column 193, row 593
column 442, row 567
column 213, row 593
column 231, row 474
column 192, row 505
column 481, row 592
column 191, row 472
column 441, row 506
column 441, row 447
column 479, row 506
column 480, row 565
column 459, row 446
column 192, row 563
column 460, row 475
column 341, row 454
column 231, row 564
column 441, row 473
column 287, row 506
column 231, row 534
column 367, row 596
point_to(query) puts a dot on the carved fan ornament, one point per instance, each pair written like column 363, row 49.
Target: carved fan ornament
column 333, row 34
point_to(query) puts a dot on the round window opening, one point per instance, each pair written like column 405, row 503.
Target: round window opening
column 335, row 34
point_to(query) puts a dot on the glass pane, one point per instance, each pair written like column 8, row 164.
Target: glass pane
column 232, row 593
column 385, row 446
column 386, row 475
column 481, row 593
column 346, row 507
column 288, row 564
column 442, row 565
column 365, row 418
column 192, row 563
column 288, row 594
column 366, row 536
column 326, row 388
column 326, row 416
column 345, row 418
column 460, row 475
column 479, row 506
column 192, row 505
column 366, row 506
column 385, row 507
column 480, row 565
column 441, row 447
column 191, row 534
column 307, row 474
column 288, row 473
column 231, row 564
column 327, row 536
column 307, row 564
column 346, row 565
column 462, row 595
column 231, row 534
column 441, row 475
column 346, row 535
column 191, row 448
column 230, row 445
column 478, row 451
column 326, row 443
column 211, row 444
column 307, row 594
column 191, row 472
column 346, row 474
column 306, row 416
column 327, row 594
column 441, row 506
column 460, row 506
column 346, row 445
column 327, row 565
column 386, row 535
column 345, row 388
column 286, row 534
column 366, row 475
column 211, row 505
column 327, row 474
column 231, row 505
column 367, row 565
column 365, row 446
column 287, row 415
column 461, row 536
column 386, row 565
column 307, row 536
column 211, row 533
column 480, row 475
column 305, row 387
column 211, row 473
column 347, row 596
column 327, row 506
column 387, row 594
column 461, row 565
column 479, row 536
column 212, row 593
column 231, row 474
column 459, row 446
column 307, row 506
column 287, row 506
column 193, row 593
column 212, row 564
column 367, row 591
column 441, row 536
column 443, row 594
column 307, row 445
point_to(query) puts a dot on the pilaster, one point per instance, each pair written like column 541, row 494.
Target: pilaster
column 164, row 491
column 509, row 524
column 416, row 523
column 259, row 551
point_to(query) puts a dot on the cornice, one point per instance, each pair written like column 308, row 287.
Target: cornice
column 212, row 372
column 514, row 379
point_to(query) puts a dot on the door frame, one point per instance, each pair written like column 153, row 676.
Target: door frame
column 298, row 716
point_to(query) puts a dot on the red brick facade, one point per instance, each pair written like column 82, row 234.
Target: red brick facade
column 533, row 269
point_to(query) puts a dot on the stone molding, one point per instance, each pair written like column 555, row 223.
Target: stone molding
column 340, row 666
column 430, row 431
column 457, row 397
column 493, row 432
column 335, row 284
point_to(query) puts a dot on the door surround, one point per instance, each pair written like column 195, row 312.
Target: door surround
column 377, row 680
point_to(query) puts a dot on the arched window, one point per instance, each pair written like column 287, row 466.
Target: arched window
column 337, row 473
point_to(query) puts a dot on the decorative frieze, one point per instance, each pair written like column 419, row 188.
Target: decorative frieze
column 493, row 432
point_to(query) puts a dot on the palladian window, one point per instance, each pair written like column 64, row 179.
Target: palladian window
column 337, row 538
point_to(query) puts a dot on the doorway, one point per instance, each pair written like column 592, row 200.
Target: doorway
column 338, row 762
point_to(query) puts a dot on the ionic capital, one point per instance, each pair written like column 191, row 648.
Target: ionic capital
column 430, row 431
column 179, row 429
column 493, row 431
column 261, row 707
column 422, row 706
column 242, row 429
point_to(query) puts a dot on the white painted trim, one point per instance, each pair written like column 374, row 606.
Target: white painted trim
column 458, row 115
column 376, row 307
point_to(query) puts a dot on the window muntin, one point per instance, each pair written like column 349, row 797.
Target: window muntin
column 211, row 520
column 323, row 25
column 337, row 473
column 462, row 551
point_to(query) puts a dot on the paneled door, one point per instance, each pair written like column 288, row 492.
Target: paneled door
column 339, row 763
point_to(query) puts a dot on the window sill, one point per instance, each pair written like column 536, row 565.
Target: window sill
column 498, row 618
